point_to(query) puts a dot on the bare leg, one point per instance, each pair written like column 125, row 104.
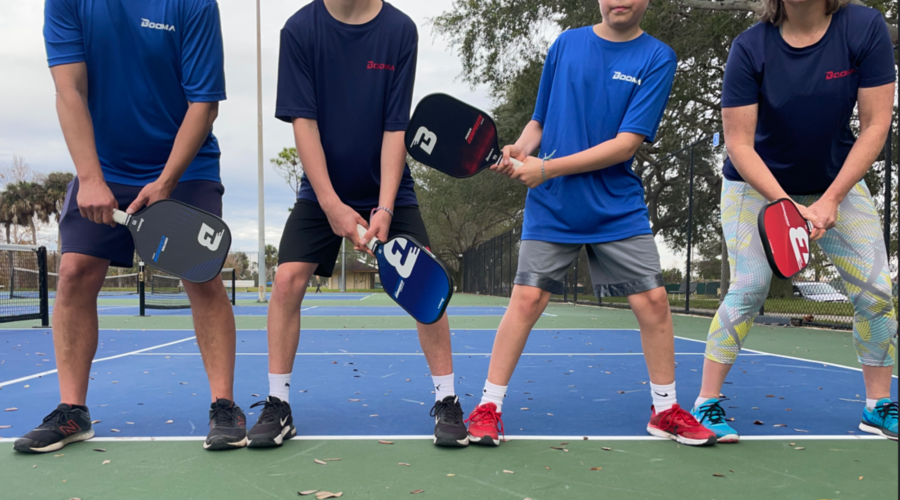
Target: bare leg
column 284, row 314
column 216, row 336
column 878, row 381
column 75, row 327
column 714, row 374
column 657, row 333
column 435, row 342
column 525, row 307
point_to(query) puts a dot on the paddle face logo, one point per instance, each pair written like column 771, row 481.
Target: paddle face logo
column 161, row 248
column 209, row 238
column 800, row 243
column 425, row 139
column 402, row 255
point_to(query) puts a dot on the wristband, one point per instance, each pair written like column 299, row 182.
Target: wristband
column 386, row 209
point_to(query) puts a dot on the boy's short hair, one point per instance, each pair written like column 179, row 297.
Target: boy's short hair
column 773, row 10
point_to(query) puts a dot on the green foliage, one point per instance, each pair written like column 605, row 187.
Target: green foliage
column 673, row 275
column 287, row 165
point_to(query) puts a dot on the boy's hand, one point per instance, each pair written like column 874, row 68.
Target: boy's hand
column 529, row 173
column 504, row 166
column 343, row 221
column 379, row 228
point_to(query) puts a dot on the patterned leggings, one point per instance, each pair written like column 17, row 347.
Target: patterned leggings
column 856, row 248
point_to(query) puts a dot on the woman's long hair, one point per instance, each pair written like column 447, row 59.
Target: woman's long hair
column 773, row 10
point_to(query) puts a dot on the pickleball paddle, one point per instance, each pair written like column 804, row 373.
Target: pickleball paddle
column 412, row 276
column 179, row 239
column 453, row 137
column 785, row 238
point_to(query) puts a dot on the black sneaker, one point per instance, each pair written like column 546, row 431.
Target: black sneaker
column 66, row 424
column 227, row 426
column 449, row 428
column 274, row 423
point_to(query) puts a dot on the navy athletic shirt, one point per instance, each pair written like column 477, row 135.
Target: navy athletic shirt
column 357, row 82
column 145, row 61
column 806, row 96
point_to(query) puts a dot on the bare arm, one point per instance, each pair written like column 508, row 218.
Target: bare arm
column 393, row 164
column 529, row 141
column 606, row 154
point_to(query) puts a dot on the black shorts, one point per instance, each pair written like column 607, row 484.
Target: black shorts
column 308, row 237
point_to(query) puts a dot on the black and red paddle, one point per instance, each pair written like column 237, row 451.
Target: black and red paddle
column 785, row 238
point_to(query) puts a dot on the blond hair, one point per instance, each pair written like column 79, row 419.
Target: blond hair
column 773, row 10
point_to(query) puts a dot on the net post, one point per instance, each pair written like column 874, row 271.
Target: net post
column 687, row 278
column 142, row 289
column 42, row 286
column 233, row 287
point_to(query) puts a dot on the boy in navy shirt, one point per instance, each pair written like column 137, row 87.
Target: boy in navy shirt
column 603, row 92
column 345, row 82
column 138, row 85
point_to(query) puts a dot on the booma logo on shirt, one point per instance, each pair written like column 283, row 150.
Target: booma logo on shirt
column 619, row 76
column 145, row 23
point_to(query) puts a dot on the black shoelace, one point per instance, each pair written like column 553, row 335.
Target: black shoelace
column 888, row 410
column 58, row 417
column 449, row 412
column 713, row 413
column 223, row 416
column 271, row 411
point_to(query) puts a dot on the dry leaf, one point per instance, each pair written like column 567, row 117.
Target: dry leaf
column 5, row 426
column 130, row 423
column 800, row 430
column 451, row 475
column 404, row 463
column 256, row 396
column 170, row 421
column 556, row 448
column 730, row 419
column 106, row 462
column 354, row 400
column 95, row 421
column 327, row 494
column 114, row 430
column 585, row 438
column 524, row 409
column 375, row 415
column 60, row 455
column 731, row 471
column 792, row 444
column 718, row 475
column 320, row 462
column 332, row 459
column 416, row 491
column 757, row 422
column 548, row 468
column 779, row 425
column 386, row 442
column 606, row 449
column 99, row 449
column 596, row 468
column 508, row 472
column 11, row 409
column 307, row 492
column 799, row 448
column 861, row 478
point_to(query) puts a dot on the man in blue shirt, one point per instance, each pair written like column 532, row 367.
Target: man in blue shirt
column 603, row 92
column 138, row 85
column 345, row 82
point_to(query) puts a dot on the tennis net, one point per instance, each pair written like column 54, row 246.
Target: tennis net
column 24, row 293
column 163, row 291
column 122, row 284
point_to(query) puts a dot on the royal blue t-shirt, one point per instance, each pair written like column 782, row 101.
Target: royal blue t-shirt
column 357, row 82
column 145, row 61
column 806, row 96
column 591, row 90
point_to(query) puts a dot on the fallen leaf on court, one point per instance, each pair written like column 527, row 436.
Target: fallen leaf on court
column 770, row 395
column 60, row 455
column 332, row 459
column 106, row 462
column 792, row 444
column 757, row 422
column 307, row 492
column 861, row 478
column 320, row 462
column 596, row 468
column 416, row 492
column 451, row 475
column 170, row 421
column 508, row 472
column 779, row 425
column 34, row 466
column 5, row 426
column 404, row 464
column 556, row 448
column 115, row 381
column 375, row 415
column 548, row 468
column 256, row 396
column 354, row 400
column 334, row 362
column 730, row 419
column 563, row 444
column 99, row 449
column 621, row 392
column 409, row 380
column 95, row 421
column 800, row 430
column 11, row 409
column 606, row 449
column 525, row 409
column 799, row 448
column 327, row 494
column 585, row 438
column 788, row 409
column 386, row 442
column 183, row 383
column 731, row 470
column 550, row 414
column 718, row 475
column 130, row 423
column 114, row 430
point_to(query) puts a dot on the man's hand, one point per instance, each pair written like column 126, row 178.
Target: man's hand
column 379, row 228
column 814, row 218
column 153, row 192
column 529, row 173
column 96, row 202
column 504, row 166
column 343, row 221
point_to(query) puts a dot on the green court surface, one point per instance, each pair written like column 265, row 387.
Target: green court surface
column 845, row 467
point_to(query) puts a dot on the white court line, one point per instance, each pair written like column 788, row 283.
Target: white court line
column 422, row 354
column 426, row 437
column 366, row 297
column 548, row 314
column 37, row 375
column 308, row 308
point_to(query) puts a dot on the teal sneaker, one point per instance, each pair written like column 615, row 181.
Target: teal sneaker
column 712, row 416
column 881, row 420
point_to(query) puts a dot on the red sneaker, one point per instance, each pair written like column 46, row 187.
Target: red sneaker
column 681, row 426
column 485, row 421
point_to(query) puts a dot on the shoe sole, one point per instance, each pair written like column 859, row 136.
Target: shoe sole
column 871, row 429
column 681, row 439
column 221, row 444
column 74, row 438
column 449, row 442
column 730, row 438
column 264, row 442
column 484, row 440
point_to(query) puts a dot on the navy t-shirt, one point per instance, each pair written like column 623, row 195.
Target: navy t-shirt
column 806, row 96
column 357, row 82
column 145, row 60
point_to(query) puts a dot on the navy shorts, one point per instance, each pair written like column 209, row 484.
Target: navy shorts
column 80, row 235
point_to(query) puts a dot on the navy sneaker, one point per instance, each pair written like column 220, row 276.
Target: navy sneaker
column 449, row 425
column 275, row 423
column 66, row 424
column 227, row 426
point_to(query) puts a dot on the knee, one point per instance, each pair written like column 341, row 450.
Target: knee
column 527, row 299
column 656, row 300
column 290, row 281
column 874, row 301
column 81, row 275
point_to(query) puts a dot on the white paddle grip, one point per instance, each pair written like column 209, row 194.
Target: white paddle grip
column 515, row 163
column 120, row 217
column 362, row 232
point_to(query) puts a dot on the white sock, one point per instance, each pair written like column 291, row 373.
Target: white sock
column 280, row 386
column 494, row 394
column 663, row 396
column 701, row 400
column 871, row 403
column 443, row 386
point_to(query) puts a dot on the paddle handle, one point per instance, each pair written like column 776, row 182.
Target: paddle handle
column 361, row 231
column 120, row 217
column 515, row 163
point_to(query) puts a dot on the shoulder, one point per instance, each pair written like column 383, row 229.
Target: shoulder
column 659, row 52
column 395, row 21
column 195, row 7
column 752, row 37
column 572, row 35
column 859, row 16
column 302, row 19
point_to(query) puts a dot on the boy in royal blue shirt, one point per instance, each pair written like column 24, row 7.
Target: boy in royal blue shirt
column 138, row 85
column 345, row 82
column 603, row 92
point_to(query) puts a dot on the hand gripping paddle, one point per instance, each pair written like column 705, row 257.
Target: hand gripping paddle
column 785, row 238
column 179, row 239
column 412, row 276
column 452, row 137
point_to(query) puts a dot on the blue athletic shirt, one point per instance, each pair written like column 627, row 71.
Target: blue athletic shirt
column 591, row 90
column 806, row 96
column 145, row 60
column 357, row 82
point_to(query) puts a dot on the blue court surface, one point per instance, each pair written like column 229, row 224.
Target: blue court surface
column 310, row 295
column 375, row 382
column 113, row 310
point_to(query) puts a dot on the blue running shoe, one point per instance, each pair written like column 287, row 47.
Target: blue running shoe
column 712, row 416
column 881, row 420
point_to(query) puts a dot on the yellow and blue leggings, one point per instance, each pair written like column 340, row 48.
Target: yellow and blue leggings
column 856, row 248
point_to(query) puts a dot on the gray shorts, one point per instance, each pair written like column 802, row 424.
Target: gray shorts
column 618, row 268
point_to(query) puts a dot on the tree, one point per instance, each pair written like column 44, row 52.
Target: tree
column 673, row 275
column 240, row 263
column 287, row 165
column 271, row 261
column 24, row 201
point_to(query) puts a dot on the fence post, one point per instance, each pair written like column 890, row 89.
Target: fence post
column 510, row 274
column 690, row 230
column 575, row 291
column 566, row 287
column 142, row 289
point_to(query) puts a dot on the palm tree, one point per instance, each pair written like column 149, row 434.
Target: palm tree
column 56, row 186
column 24, row 201
column 5, row 215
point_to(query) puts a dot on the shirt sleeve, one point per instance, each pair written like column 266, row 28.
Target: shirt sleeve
column 649, row 102
column 202, row 56
column 875, row 62
column 296, row 84
column 63, row 36
column 399, row 100
column 740, row 86
column 543, row 97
